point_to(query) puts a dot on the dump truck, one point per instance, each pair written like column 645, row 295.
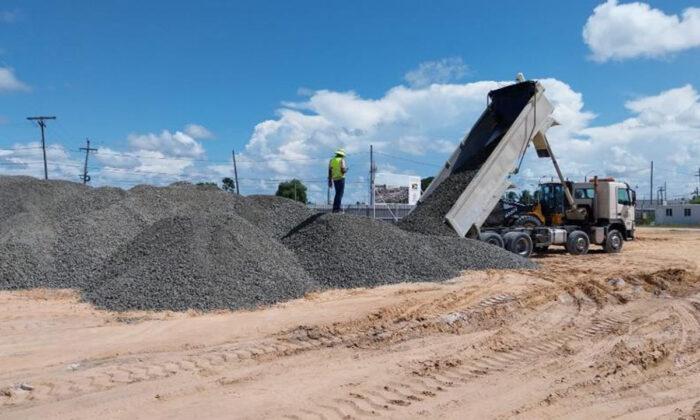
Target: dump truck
column 574, row 215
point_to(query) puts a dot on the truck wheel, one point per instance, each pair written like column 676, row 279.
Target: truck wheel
column 577, row 243
column 518, row 243
column 492, row 238
column 527, row 221
column 613, row 242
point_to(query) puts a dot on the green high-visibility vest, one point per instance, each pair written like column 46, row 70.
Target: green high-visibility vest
column 335, row 164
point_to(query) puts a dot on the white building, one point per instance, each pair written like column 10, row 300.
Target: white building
column 678, row 214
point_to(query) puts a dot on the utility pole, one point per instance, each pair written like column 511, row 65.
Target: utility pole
column 235, row 171
column 42, row 124
column 651, row 186
column 88, row 149
column 665, row 193
column 660, row 195
column 372, row 172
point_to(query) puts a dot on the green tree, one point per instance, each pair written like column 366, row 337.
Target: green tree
column 293, row 189
column 425, row 182
column 228, row 185
column 526, row 197
column 512, row 196
column 208, row 184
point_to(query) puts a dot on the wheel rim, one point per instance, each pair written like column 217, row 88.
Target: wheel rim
column 615, row 241
column 493, row 241
column 580, row 245
column 520, row 246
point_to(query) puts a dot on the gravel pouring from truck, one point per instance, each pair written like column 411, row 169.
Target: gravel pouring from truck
column 516, row 116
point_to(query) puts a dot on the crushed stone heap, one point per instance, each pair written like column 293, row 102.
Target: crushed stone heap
column 342, row 251
column 196, row 247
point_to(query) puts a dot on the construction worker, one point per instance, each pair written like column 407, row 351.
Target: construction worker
column 336, row 177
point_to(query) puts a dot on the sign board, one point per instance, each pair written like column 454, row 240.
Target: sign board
column 396, row 188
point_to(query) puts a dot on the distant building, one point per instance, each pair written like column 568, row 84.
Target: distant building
column 678, row 214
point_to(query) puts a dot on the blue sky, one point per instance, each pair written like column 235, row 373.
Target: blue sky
column 123, row 72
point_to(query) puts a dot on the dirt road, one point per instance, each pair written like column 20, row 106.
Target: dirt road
column 597, row 336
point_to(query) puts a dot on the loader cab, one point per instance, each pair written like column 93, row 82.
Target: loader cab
column 551, row 203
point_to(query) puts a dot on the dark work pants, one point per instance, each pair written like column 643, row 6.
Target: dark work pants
column 339, row 185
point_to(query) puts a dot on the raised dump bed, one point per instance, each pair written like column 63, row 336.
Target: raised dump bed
column 487, row 156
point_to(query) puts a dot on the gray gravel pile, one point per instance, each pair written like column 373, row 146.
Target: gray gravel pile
column 349, row 251
column 197, row 247
column 60, row 234
column 199, row 262
column 277, row 215
column 429, row 215
column 31, row 215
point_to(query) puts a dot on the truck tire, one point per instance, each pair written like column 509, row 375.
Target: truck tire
column 518, row 243
column 492, row 238
column 527, row 221
column 577, row 243
column 613, row 242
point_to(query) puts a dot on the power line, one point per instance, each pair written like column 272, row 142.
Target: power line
column 674, row 171
column 40, row 161
column 135, row 156
column 25, row 148
column 408, row 160
column 299, row 159
column 241, row 159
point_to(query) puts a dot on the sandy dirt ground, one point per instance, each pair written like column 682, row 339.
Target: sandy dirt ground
column 597, row 336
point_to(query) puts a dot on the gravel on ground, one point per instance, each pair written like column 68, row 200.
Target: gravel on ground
column 197, row 247
column 342, row 251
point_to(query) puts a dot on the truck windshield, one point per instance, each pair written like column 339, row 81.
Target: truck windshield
column 623, row 196
column 582, row 193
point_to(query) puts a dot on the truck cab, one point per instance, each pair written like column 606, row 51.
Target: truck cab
column 613, row 205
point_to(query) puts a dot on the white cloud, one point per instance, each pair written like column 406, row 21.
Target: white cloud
column 197, row 131
column 427, row 122
column 28, row 159
column 664, row 128
column 623, row 31
column 157, row 159
column 9, row 82
column 175, row 144
column 419, row 124
column 441, row 71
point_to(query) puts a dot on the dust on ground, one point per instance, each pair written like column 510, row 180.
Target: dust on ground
column 598, row 336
